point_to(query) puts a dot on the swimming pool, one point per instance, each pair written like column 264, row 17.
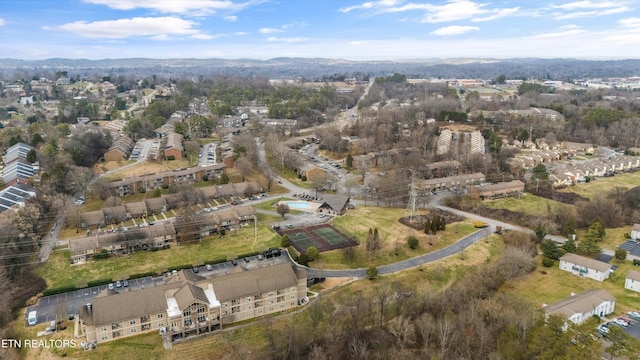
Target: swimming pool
column 302, row 205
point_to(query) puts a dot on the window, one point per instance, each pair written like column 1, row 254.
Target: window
column 224, row 312
column 257, row 297
column 235, row 309
column 270, row 302
column 257, row 304
column 293, row 289
column 103, row 329
column 202, row 318
column 201, row 310
column 234, row 302
column 105, row 338
column 293, row 296
column 270, row 308
column 160, row 316
column 259, row 311
column 132, row 322
column 280, row 298
column 281, row 306
column 224, row 305
column 293, row 303
column 271, row 294
column 186, row 313
column 161, row 325
column 133, row 331
column 280, row 291
column 248, row 299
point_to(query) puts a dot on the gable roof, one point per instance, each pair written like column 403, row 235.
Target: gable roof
column 109, row 308
column 188, row 294
column 335, row 202
column 253, row 282
column 585, row 261
column 633, row 275
column 579, row 304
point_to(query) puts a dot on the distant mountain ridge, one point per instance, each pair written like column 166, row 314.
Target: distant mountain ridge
column 287, row 67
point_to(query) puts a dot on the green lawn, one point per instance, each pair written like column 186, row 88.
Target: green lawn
column 556, row 284
column 57, row 272
column 527, row 204
column 604, row 185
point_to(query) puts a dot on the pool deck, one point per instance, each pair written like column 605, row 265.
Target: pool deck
column 308, row 206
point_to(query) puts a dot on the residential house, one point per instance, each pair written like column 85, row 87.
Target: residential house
column 120, row 149
column 312, row 172
column 579, row 307
column 449, row 182
column 163, row 131
column 635, row 232
column 173, row 148
column 632, row 282
column 583, row 266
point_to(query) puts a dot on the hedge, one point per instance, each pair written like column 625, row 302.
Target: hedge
column 181, row 267
column 59, row 290
column 216, row 261
column 99, row 282
column 253, row 253
column 141, row 275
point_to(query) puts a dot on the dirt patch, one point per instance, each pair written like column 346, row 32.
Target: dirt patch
column 563, row 197
column 417, row 222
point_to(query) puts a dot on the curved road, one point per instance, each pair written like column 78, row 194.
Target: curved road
column 404, row 264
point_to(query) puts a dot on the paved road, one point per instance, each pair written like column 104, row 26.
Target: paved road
column 405, row 264
column 50, row 241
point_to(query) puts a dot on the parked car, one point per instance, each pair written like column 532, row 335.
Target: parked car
column 110, row 286
column 246, row 259
column 621, row 322
column 196, row 270
column 290, row 226
column 634, row 315
column 260, row 257
column 234, row 263
column 614, row 268
column 209, row 267
column 125, row 283
column 603, row 330
column 118, row 284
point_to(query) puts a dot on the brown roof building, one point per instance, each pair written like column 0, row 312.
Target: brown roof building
column 189, row 304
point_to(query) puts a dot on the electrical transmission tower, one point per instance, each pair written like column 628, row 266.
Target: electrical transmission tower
column 413, row 198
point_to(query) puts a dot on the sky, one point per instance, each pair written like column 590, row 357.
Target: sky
column 345, row 29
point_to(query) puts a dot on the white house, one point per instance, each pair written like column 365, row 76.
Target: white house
column 583, row 266
column 578, row 308
column 635, row 232
column 632, row 281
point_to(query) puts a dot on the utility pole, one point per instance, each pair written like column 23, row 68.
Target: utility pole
column 413, row 195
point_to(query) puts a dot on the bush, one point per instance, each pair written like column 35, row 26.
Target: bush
column 141, row 275
column 102, row 255
column 312, row 253
column 99, row 282
column 59, row 290
column 181, row 267
column 303, row 259
column 413, row 242
column 372, row 273
column 546, row 262
column 285, row 242
column 253, row 253
column 621, row 254
column 636, row 262
column 304, row 178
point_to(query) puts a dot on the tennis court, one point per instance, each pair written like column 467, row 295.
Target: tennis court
column 324, row 237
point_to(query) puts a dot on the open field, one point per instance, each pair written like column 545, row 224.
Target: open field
column 57, row 272
column 393, row 235
column 540, row 288
column 527, row 204
column 604, row 185
column 148, row 167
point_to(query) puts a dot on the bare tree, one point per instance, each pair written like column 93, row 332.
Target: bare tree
column 244, row 166
column 283, row 209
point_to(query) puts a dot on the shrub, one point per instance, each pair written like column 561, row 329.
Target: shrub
column 59, row 290
column 285, row 242
column 413, row 242
column 372, row 273
column 621, row 254
column 141, row 275
column 546, row 262
column 99, row 282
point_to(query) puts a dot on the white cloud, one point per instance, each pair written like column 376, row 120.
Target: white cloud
column 269, row 30
column 202, row 36
column 630, row 22
column 1, row 21
column 454, row 30
column 231, row 18
column 370, row 5
column 499, row 14
column 563, row 31
column 587, row 5
column 286, row 40
column 156, row 28
column 172, row 6
column 580, row 14
column 241, row 33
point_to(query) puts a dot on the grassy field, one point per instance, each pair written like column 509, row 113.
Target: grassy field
column 393, row 236
column 527, row 204
column 604, row 185
column 147, row 167
column 57, row 272
column 548, row 285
